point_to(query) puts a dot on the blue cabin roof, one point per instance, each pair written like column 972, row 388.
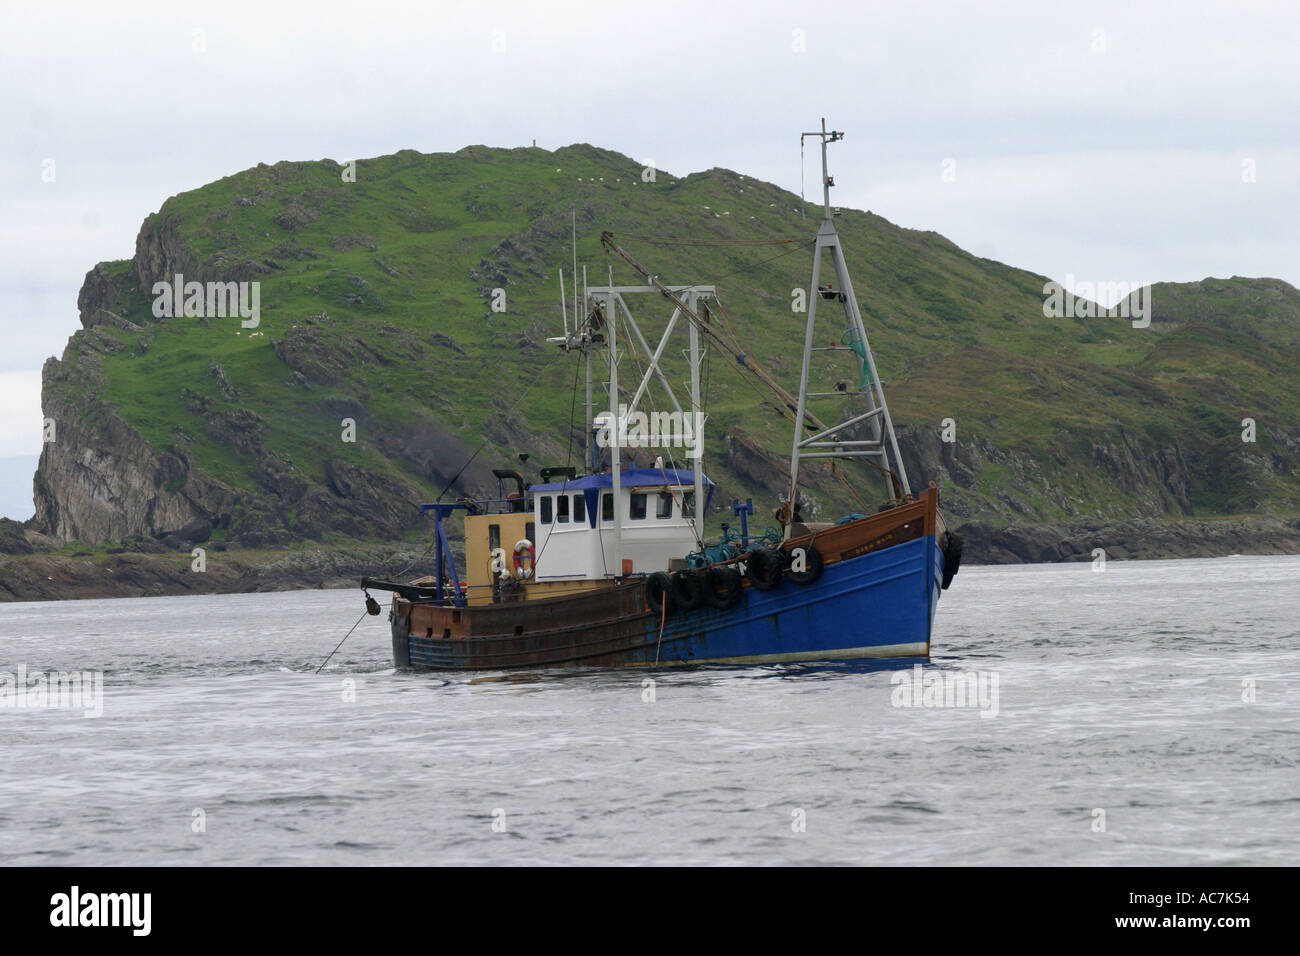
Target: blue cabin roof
column 590, row 485
column 628, row 477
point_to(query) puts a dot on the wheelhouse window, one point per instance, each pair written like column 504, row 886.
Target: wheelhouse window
column 579, row 508
column 688, row 504
column 607, row 507
column 562, row 509
column 637, row 506
column 546, row 509
column 664, row 508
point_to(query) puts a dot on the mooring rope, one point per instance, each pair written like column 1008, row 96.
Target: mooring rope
column 345, row 637
column 663, row 613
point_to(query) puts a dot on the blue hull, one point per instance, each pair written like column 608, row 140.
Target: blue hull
column 880, row 604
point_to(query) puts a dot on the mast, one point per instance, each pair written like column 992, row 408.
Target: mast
column 588, row 338
column 585, row 338
column 616, row 430
column 881, row 449
column 592, row 447
column 697, row 465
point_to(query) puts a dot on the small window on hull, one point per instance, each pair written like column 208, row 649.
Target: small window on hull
column 607, row 507
column 579, row 508
column 664, row 509
column 562, row 509
column 547, row 504
column 637, row 506
column 688, row 505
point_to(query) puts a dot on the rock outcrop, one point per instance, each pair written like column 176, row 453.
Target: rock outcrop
column 1138, row 539
column 99, row 479
column 50, row 577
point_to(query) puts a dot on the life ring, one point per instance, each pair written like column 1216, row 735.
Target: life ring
column 763, row 568
column 524, row 552
column 689, row 590
column 722, row 587
column 659, row 593
column 812, row 561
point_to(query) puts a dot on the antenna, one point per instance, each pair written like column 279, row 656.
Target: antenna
column 575, row 268
column 827, row 180
column 593, row 450
column 564, row 308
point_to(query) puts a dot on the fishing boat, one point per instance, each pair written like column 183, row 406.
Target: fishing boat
column 611, row 567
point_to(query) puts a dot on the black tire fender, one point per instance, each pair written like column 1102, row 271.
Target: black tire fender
column 723, row 588
column 952, row 550
column 763, row 568
column 689, row 589
column 659, row 593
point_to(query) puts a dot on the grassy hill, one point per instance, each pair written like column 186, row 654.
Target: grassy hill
column 375, row 306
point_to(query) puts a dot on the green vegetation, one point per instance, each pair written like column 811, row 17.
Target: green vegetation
column 382, row 286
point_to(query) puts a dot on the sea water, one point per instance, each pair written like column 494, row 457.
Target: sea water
column 1144, row 714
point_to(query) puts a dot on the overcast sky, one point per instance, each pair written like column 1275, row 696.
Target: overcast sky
column 1112, row 141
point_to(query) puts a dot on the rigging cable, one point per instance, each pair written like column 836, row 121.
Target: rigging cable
column 675, row 241
column 803, row 201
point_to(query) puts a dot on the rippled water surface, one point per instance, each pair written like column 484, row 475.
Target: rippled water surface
column 1161, row 699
